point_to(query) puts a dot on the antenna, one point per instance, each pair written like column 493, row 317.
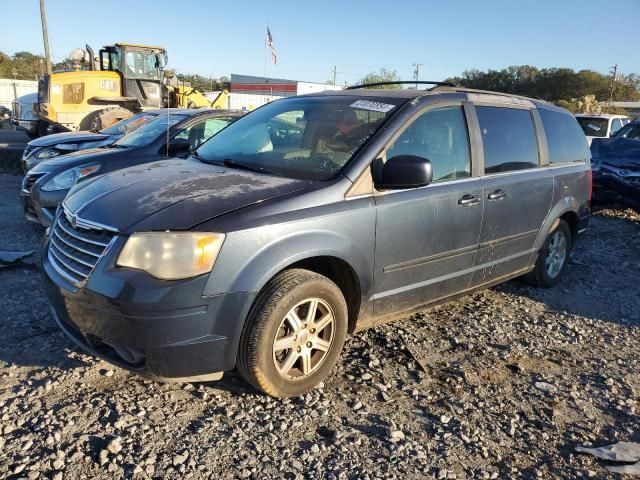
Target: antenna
column 168, row 118
column 168, row 114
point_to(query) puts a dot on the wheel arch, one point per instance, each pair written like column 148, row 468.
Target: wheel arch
column 342, row 274
column 323, row 252
column 566, row 209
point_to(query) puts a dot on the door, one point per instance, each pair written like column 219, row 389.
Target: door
column 202, row 130
column 517, row 193
column 426, row 238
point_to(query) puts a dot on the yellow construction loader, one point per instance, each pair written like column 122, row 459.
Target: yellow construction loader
column 122, row 80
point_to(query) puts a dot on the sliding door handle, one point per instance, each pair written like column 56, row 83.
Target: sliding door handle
column 468, row 200
column 497, row 195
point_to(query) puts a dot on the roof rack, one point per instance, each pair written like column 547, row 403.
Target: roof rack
column 402, row 82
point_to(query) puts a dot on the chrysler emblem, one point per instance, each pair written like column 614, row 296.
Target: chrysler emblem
column 74, row 221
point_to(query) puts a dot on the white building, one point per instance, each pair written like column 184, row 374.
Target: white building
column 11, row 89
column 249, row 92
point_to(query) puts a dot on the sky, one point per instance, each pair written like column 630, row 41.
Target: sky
column 215, row 38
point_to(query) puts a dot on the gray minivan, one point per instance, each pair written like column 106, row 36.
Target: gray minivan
column 310, row 218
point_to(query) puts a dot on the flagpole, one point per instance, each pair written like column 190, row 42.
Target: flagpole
column 265, row 50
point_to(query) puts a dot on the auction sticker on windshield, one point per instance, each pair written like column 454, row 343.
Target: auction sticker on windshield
column 372, row 106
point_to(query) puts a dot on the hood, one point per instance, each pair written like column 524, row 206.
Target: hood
column 619, row 152
column 172, row 194
column 69, row 137
column 79, row 158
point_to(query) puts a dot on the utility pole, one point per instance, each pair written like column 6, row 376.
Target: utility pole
column 614, row 72
column 45, row 35
column 416, row 72
column 334, row 74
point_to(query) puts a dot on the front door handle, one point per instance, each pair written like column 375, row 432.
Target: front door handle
column 497, row 195
column 468, row 200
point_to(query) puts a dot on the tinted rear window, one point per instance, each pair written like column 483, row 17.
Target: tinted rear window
column 565, row 139
column 594, row 127
column 508, row 139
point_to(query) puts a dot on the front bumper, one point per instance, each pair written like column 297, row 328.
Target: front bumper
column 164, row 330
column 29, row 126
column 40, row 206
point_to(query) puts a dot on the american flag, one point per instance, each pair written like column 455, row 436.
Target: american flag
column 269, row 42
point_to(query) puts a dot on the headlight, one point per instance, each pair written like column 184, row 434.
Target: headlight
column 171, row 255
column 68, row 178
column 47, row 153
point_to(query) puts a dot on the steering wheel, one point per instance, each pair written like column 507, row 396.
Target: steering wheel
column 337, row 145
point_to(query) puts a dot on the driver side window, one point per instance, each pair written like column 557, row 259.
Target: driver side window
column 194, row 133
column 439, row 135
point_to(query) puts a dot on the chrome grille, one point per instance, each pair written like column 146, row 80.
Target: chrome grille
column 27, row 151
column 74, row 251
column 17, row 110
column 29, row 180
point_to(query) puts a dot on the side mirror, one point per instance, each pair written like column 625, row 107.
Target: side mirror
column 179, row 145
column 405, row 171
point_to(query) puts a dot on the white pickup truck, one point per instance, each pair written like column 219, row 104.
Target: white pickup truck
column 602, row 125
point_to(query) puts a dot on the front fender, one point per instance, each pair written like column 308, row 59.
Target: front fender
column 250, row 258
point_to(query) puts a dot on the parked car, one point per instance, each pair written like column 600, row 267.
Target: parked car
column 616, row 167
column 175, row 133
column 23, row 116
column 5, row 116
column 265, row 252
column 601, row 125
column 57, row 144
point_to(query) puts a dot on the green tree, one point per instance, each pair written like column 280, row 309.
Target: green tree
column 552, row 84
column 382, row 75
column 206, row 84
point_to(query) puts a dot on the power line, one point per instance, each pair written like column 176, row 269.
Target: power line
column 416, row 72
column 335, row 71
column 45, row 35
column 614, row 72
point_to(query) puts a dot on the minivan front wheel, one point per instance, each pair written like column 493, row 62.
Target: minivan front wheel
column 294, row 334
column 553, row 257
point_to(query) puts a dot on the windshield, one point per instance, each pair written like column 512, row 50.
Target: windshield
column 149, row 132
column 305, row 137
column 143, row 65
column 128, row 124
column 630, row 131
column 594, row 127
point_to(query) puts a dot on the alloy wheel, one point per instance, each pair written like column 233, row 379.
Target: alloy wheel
column 556, row 254
column 304, row 338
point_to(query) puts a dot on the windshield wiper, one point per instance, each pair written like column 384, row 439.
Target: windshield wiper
column 228, row 162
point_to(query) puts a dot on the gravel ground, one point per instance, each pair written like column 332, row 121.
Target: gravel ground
column 502, row 384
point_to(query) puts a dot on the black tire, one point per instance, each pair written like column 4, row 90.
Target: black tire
column 256, row 360
column 540, row 275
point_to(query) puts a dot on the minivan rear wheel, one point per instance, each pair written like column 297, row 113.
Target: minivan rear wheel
column 294, row 334
column 553, row 257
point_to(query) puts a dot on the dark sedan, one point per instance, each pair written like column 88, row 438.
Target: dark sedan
column 174, row 133
column 58, row 144
column 616, row 167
